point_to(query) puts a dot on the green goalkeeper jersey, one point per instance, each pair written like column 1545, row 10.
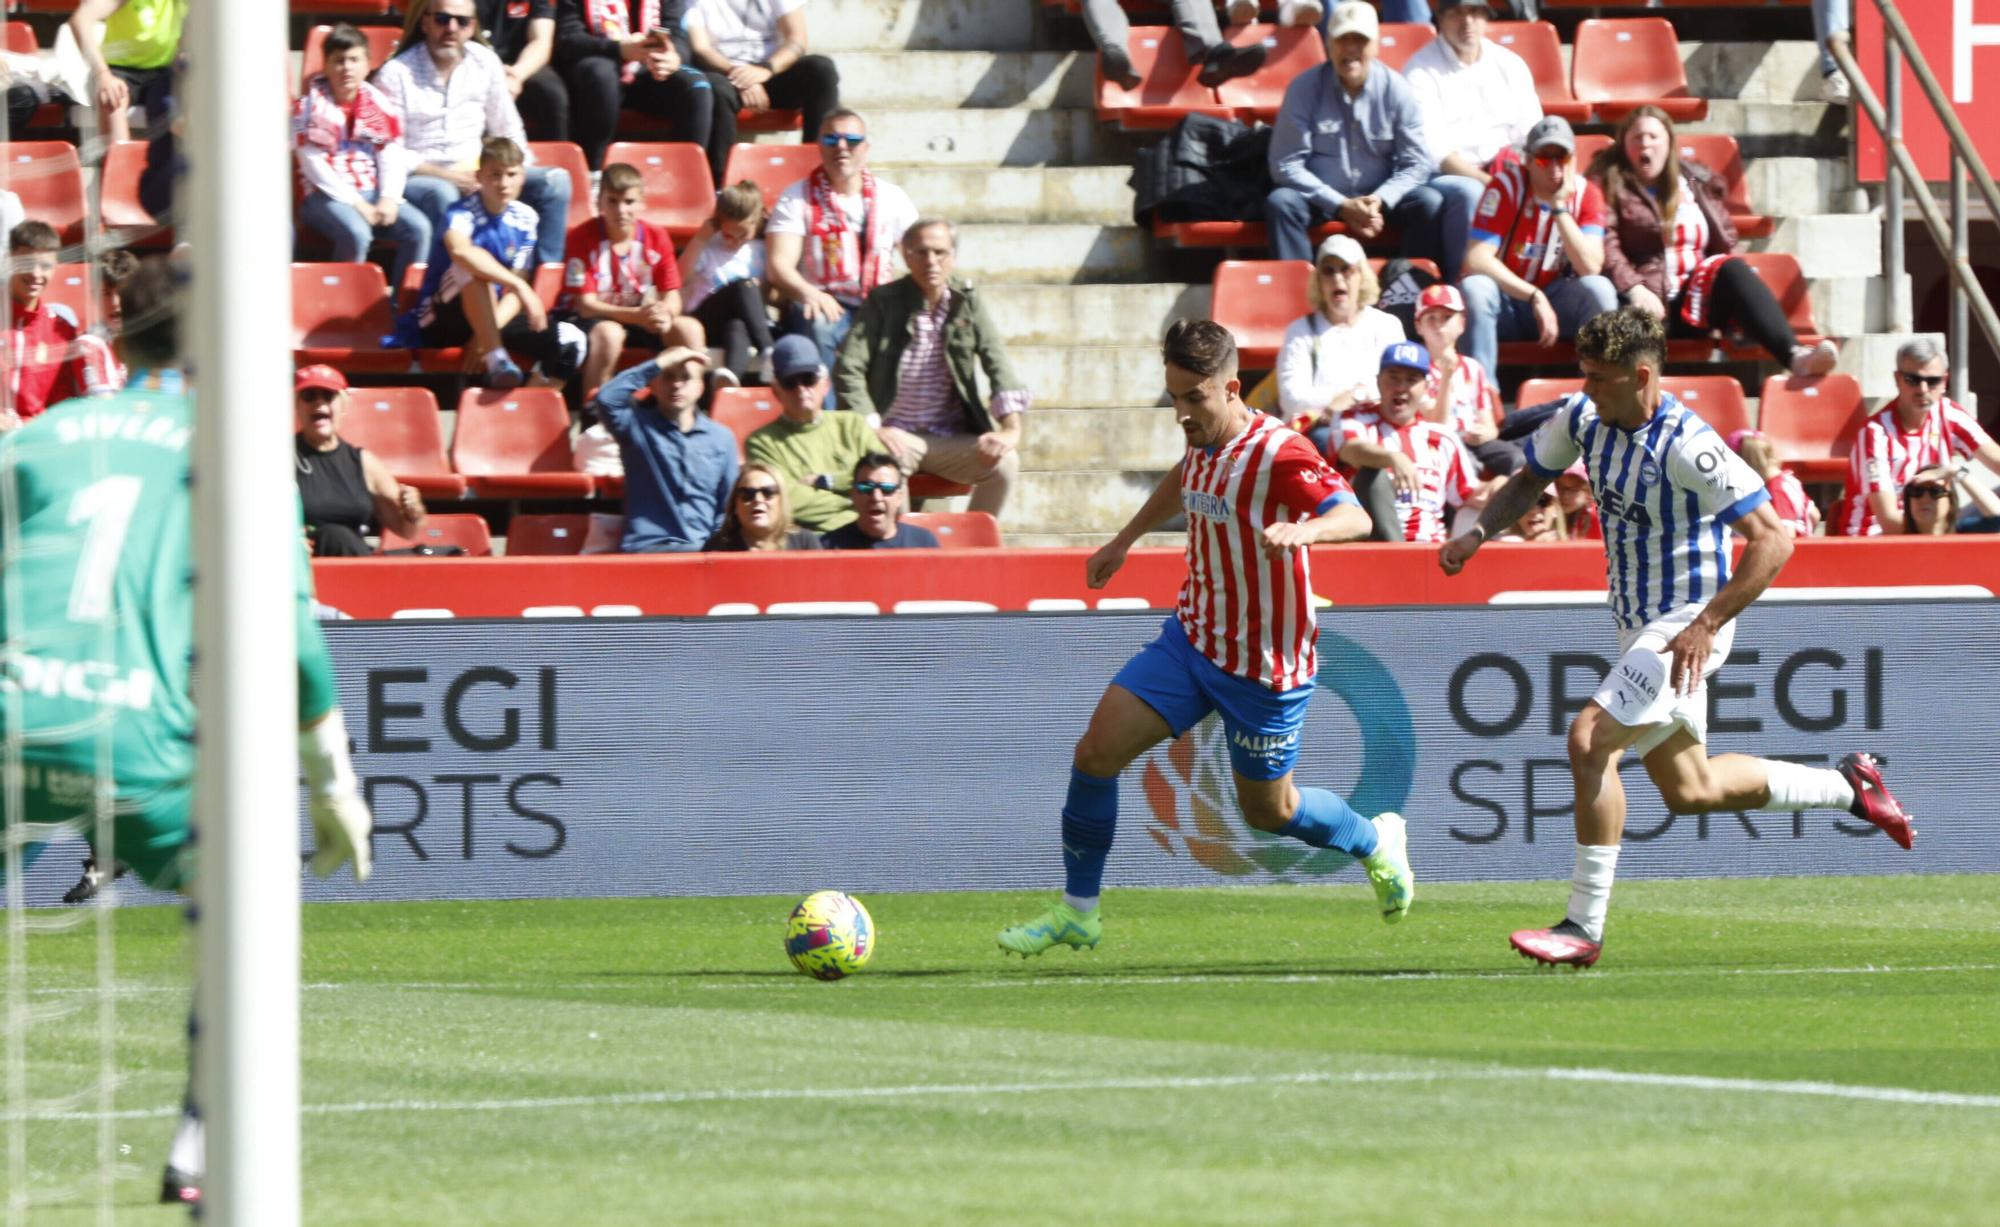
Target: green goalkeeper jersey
column 96, row 588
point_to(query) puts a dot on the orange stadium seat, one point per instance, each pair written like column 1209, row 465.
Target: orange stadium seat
column 1290, row 51
column 773, row 168
column 1402, row 39
column 547, row 535
column 516, row 445
column 335, row 8
column 51, row 116
column 959, row 530
column 340, row 313
column 1167, row 89
column 49, row 180
column 1538, row 44
column 1718, row 151
column 1618, row 64
column 743, row 411
column 1588, row 146
column 467, row 532
column 1542, row 391
column 382, row 42
column 748, row 120
column 569, row 156
column 1715, row 399
column 680, row 192
column 118, row 209
column 930, row 485
column 1812, row 422
column 1257, row 300
column 69, row 286
column 1779, row 271
column 404, row 429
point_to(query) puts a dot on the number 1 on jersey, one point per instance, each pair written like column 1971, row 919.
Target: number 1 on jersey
column 107, row 506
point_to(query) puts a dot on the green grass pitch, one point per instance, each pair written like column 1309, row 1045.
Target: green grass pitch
column 1807, row 1051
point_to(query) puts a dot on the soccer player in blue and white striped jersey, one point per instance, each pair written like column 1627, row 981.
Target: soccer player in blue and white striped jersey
column 1668, row 490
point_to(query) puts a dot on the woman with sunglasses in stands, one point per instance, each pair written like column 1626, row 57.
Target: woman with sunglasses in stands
column 1671, row 247
column 1541, row 522
column 1934, row 504
column 1921, row 426
column 760, row 516
column 1329, row 358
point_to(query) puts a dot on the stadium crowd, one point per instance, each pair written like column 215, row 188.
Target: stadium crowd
column 456, row 149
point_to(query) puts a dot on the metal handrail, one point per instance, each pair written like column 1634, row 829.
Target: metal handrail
column 1888, row 120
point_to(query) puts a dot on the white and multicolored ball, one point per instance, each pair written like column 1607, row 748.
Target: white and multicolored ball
column 830, row 935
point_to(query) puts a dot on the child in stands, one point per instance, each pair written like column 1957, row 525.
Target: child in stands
column 722, row 267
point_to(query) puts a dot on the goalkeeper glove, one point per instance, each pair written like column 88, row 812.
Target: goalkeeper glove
column 341, row 821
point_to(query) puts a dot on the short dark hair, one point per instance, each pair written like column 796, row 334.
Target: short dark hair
column 620, row 178
column 32, row 235
column 1625, row 336
column 837, row 114
column 342, row 39
column 502, row 152
column 1202, row 346
column 741, row 201
column 875, row 460
column 150, row 307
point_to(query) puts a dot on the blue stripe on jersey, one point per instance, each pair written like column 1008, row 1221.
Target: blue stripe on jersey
column 1624, row 488
column 1600, row 478
column 1743, row 506
column 1540, row 469
column 1335, row 500
column 1694, row 548
column 1654, row 447
column 1483, row 236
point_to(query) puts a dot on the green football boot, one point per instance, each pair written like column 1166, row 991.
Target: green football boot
column 1389, row 868
column 1061, row 925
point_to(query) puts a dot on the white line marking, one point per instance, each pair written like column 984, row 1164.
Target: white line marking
column 1690, row 1082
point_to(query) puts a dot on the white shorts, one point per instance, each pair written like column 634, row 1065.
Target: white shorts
column 1638, row 692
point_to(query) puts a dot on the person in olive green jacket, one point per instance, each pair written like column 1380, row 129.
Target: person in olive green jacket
column 913, row 359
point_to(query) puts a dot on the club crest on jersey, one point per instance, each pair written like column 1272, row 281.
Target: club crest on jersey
column 1649, row 471
column 1207, row 506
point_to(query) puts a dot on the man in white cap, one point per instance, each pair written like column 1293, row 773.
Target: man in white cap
column 1325, row 167
column 1477, row 98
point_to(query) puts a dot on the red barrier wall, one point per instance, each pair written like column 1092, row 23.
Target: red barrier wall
column 1012, row 579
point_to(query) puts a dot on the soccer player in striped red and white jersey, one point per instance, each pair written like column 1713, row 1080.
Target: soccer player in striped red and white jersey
column 1921, row 427
column 1240, row 642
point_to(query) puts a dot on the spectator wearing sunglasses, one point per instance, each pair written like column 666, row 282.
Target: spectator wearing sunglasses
column 1930, row 502
column 1921, row 427
column 680, row 467
column 815, row 450
column 1541, row 522
column 754, row 54
column 1534, row 257
column 879, row 501
column 835, row 236
column 759, row 518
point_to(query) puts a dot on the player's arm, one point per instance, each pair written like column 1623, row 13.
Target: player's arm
column 398, row 508
column 1346, row 520
column 483, row 265
column 589, row 306
column 1769, row 545
column 1364, row 454
column 1161, row 505
column 1506, row 505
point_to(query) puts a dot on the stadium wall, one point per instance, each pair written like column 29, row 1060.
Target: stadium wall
column 635, row 757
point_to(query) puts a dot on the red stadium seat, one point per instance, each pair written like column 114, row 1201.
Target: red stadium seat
column 930, row 485
column 1779, row 271
column 467, row 532
column 516, row 445
column 959, row 530
column 333, row 8
column 69, row 286
column 748, row 120
column 1718, row 151
column 1618, row 64
column 1588, row 146
column 1715, row 399
column 1402, row 39
column 1237, row 234
column 568, row 156
column 1812, row 422
column 1542, row 391
column 21, row 38
column 743, row 411
column 680, row 192
column 49, row 180
column 1537, row 43
column 382, row 42
column 340, row 313
column 1289, row 51
column 773, row 168
column 118, row 209
column 404, row 429
column 1257, row 300
column 53, row 116
column 1167, row 89
column 547, row 535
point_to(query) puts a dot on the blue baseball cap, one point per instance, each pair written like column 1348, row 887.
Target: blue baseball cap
column 799, row 355
column 1408, row 354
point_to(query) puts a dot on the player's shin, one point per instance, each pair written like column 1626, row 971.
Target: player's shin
column 1795, row 786
column 1324, row 820
column 1089, row 820
column 1590, row 888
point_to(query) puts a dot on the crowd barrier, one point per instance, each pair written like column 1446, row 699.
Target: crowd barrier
column 640, row 757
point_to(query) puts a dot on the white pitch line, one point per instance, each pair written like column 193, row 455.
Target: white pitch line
column 1687, row 1082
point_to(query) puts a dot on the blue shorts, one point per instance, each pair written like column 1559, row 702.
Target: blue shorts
column 1183, row 686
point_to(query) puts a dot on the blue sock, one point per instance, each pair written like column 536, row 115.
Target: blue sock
column 1324, row 820
column 1089, row 819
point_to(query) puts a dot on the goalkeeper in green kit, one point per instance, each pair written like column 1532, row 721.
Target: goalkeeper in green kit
column 97, row 634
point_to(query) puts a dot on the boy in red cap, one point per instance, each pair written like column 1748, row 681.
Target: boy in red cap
column 1461, row 394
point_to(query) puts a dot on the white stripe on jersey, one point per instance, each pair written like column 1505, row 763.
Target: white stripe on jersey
column 1665, row 491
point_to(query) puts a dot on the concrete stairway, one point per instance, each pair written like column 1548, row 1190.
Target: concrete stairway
column 981, row 109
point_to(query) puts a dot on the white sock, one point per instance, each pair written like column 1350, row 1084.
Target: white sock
column 188, row 1155
column 1080, row 903
column 1796, row 786
column 1590, row 889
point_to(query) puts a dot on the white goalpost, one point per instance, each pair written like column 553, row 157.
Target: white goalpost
column 235, row 203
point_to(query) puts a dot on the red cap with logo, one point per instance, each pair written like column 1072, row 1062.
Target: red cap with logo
column 1441, row 295
column 319, row 375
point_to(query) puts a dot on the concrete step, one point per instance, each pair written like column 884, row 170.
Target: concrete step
column 996, row 252
column 1830, row 244
column 1753, row 72
column 1105, row 438
column 1087, row 376
column 1078, row 501
column 1092, row 314
column 1778, row 129
column 871, row 25
column 900, row 80
column 1848, row 306
column 1094, row 194
column 1062, row 136
column 1794, row 187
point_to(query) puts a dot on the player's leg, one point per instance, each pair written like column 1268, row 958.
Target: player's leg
column 1693, row 783
column 1324, row 819
column 607, row 342
column 484, row 318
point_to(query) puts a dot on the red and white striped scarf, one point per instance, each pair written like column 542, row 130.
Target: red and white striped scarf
column 827, row 222
column 325, row 124
column 613, row 19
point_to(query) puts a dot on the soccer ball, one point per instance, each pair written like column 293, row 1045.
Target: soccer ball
column 830, row 935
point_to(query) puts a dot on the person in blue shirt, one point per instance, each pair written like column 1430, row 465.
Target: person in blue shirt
column 476, row 287
column 878, row 507
column 1349, row 146
column 679, row 465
